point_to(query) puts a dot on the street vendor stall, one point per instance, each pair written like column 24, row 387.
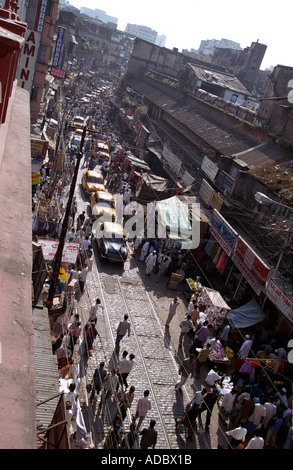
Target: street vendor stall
column 216, row 307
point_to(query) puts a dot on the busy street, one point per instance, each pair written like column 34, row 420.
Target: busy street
column 126, row 282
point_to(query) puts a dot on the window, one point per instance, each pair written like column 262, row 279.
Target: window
column 49, row 8
column 234, row 98
column 42, row 53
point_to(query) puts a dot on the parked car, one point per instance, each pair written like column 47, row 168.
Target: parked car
column 112, row 245
column 103, row 203
column 92, row 181
column 78, row 121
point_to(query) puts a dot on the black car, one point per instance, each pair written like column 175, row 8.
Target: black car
column 112, row 245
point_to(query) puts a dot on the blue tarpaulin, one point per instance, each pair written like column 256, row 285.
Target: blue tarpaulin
column 245, row 316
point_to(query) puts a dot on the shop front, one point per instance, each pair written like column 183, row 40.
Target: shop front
column 279, row 304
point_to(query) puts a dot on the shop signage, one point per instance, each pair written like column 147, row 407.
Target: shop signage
column 282, row 302
column 223, row 232
column 247, row 274
column 217, row 201
column 39, row 148
column 58, row 73
column 256, row 266
column 36, row 177
column 206, row 192
column 49, row 247
column 209, row 168
column 41, row 15
column 173, row 162
column 58, row 47
column 27, row 59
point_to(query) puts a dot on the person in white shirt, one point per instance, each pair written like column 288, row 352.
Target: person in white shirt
column 94, row 310
column 238, row 436
column 245, row 348
column 122, row 329
column 143, row 406
column 172, row 310
column 271, row 411
column 227, row 403
column 255, row 420
column 256, row 442
column 125, row 367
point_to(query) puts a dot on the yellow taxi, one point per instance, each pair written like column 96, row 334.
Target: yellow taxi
column 103, row 203
column 102, row 146
column 92, row 181
column 78, row 121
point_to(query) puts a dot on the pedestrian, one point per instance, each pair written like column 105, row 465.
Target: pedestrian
column 224, row 336
column 80, row 220
column 227, row 404
column 111, row 383
column 201, row 336
column 172, row 310
column 82, row 278
column 144, row 251
column 94, row 310
column 194, row 314
column 209, row 401
column 202, row 358
column 150, row 263
column 257, row 441
column 149, row 436
column 125, row 367
column 143, row 406
column 186, row 326
column 90, row 336
column 275, row 426
column 245, row 348
column 246, row 409
column 161, row 270
column 75, row 334
column 126, row 401
column 85, row 247
column 122, row 329
column 130, row 439
column 185, row 369
column 99, row 378
column 238, row 437
column 189, row 418
column 255, row 419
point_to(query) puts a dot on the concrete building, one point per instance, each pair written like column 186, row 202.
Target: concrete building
column 17, row 362
column 145, row 33
column 208, row 46
column 276, row 109
column 40, row 17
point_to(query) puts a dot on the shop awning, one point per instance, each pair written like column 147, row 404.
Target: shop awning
column 245, row 316
column 137, row 162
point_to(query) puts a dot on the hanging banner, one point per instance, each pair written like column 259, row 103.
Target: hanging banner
column 282, row 302
column 256, row 266
column 223, row 232
column 58, row 47
column 39, row 148
column 49, row 248
column 36, row 177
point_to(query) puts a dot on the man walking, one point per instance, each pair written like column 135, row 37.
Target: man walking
column 186, row 325
column 122, row 329
column 143, row 406
column 186, row 368
column 149, row 436
column 94, row 309
column 99, row 378
column 172, row 310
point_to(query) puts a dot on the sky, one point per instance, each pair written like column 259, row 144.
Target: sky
column 187, row 22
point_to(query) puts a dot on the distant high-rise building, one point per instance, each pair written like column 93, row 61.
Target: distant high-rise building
column 208, row 46
column 145, row 33
column 99, row 15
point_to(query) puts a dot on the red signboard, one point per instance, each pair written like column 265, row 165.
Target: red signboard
column 257, row 267
column 58, row 73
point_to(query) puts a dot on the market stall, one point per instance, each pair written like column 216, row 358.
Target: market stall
column 216, row 307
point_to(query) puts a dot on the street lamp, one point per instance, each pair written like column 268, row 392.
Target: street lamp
column 262, row 198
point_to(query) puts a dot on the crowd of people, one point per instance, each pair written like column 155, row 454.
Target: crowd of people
column 255, row 401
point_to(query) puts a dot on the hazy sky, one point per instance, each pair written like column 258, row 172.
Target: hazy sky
column 187, row 22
